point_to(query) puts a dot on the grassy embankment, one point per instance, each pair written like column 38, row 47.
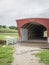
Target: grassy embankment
column 6, row 55
column 44, row 56
column 8, row 32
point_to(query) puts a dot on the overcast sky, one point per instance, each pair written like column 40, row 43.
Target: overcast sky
column 11, row 10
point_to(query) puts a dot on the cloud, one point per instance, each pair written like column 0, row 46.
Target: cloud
column 11, row 10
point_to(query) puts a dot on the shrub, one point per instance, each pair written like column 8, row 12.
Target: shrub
column 2, row 41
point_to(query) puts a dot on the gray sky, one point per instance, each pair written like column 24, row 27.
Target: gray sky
column 11, row 10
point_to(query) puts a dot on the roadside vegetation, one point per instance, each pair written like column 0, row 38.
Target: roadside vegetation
column 2, row 35
column 7, row 30
column 6, row 52
column 44, row 56
column 6, row 55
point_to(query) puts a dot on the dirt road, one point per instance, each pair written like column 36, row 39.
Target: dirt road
column 23, row 55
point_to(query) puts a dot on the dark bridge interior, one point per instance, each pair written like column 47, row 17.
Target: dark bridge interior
column 35, row 31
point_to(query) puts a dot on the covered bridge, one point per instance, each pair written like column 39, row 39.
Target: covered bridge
column 32, row 29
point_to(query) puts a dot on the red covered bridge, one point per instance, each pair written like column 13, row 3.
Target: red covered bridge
column 31, row 29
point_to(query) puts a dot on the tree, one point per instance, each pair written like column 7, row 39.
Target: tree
column 13, row 27
column 4, row 26
column 0, row 26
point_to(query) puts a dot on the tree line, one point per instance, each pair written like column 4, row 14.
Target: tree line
column 10, row 27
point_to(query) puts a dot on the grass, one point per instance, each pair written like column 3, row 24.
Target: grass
column 6, row 55
column 6, row 52
column 44, row 56
column 7, row 30
column 2, row 35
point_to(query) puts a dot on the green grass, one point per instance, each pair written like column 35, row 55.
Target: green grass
column 7, row 30
column 44, row 56
column 6, row 57
column 2, row 35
